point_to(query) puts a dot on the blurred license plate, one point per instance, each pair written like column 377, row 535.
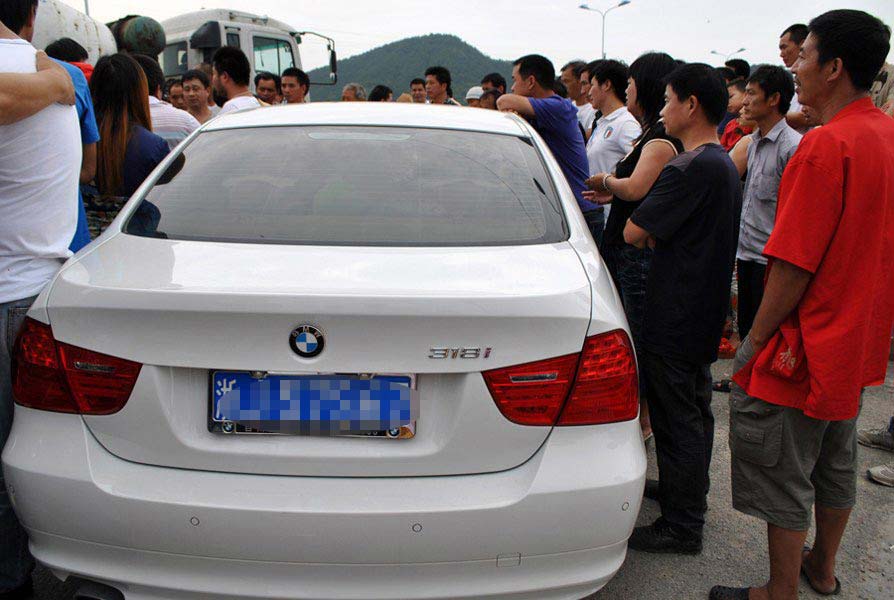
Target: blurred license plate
column 344, row 405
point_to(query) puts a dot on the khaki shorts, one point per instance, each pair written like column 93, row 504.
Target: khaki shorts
column 783, row 461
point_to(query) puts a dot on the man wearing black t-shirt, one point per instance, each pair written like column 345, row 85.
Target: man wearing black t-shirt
column 690, row 218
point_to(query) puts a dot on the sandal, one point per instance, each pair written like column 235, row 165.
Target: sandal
column 835, row 592
column 722, row 386
column 721, row 592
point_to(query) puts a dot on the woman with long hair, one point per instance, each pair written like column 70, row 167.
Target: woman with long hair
column 625, row 189
column 128, row 150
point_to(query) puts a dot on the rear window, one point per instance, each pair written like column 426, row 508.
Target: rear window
column 360, row 186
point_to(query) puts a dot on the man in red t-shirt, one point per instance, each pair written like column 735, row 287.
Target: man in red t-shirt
column 822, row 331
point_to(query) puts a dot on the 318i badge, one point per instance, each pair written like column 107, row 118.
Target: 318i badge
column 441, row 353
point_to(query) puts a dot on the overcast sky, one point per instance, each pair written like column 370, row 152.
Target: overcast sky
column 507, row 29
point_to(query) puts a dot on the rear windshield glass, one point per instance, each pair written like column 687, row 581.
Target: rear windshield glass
column 365, row 186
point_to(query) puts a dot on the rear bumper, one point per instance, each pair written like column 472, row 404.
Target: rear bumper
column 554, row 527
column 568, row 576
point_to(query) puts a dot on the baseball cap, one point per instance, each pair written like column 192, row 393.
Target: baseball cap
column 474, row 92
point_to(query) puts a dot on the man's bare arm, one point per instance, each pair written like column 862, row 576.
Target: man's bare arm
column 739, row 155
column 636, row 235
column 797, row 120
column 26, row 94
column 785, row 288
column 515, row 103
column 655, row 156
column 803, row 119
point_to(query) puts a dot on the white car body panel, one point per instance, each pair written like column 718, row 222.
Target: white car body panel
column 501, row 511
column 235, row 295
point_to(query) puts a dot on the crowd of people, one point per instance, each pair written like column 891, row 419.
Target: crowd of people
column 778, row 179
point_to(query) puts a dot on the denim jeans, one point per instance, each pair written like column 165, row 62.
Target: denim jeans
column 629, row 268
column 16, row 562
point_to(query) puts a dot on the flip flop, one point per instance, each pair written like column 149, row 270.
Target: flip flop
column 720, row 592
column 804, row 574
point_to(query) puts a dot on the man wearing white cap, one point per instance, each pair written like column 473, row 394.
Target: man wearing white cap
column 474, row 95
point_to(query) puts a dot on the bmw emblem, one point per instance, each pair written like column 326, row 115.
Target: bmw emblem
column 306, row 341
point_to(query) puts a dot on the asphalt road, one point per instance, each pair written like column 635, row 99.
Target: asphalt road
column 735, row 544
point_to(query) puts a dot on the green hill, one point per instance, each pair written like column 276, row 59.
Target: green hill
column 396, row 64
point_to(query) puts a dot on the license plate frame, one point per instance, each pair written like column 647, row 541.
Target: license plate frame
column 298, row 428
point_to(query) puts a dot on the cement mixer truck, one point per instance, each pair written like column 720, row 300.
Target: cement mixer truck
column 184, row 41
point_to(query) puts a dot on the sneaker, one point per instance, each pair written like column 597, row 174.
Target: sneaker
column 877, row 438
column 883, row 474
column 660, row 537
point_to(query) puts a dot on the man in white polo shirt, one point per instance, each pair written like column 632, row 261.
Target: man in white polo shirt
column 616, row 129
column 570, row 77
column 40, row 164
column 172, row 124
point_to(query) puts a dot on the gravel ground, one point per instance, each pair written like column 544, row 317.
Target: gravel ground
column 735, row 545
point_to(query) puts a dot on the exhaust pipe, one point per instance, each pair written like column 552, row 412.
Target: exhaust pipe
column 91, row 590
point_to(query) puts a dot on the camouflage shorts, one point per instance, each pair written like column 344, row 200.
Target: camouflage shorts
column 783, row 461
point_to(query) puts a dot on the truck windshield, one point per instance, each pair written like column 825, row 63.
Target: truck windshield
column 272, row 55
column 173, row 59
column 354, row 186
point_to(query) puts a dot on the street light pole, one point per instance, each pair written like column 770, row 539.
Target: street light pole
column 726, row 57
column 602, row 14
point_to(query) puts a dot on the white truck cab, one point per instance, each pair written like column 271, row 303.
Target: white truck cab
column 270, row 45
column 182, row 42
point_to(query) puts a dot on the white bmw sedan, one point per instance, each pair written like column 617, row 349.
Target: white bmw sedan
column 334, row 352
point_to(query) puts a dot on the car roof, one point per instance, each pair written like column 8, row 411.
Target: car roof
column 385, row 114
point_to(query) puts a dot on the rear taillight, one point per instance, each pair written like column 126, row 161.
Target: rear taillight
column 599, row 385
column 533, row 393
column 50, row 375
column 38, row 380
column 605, row 389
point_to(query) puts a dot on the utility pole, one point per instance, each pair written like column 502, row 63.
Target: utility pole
column 726, row 57
column 602, row 14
